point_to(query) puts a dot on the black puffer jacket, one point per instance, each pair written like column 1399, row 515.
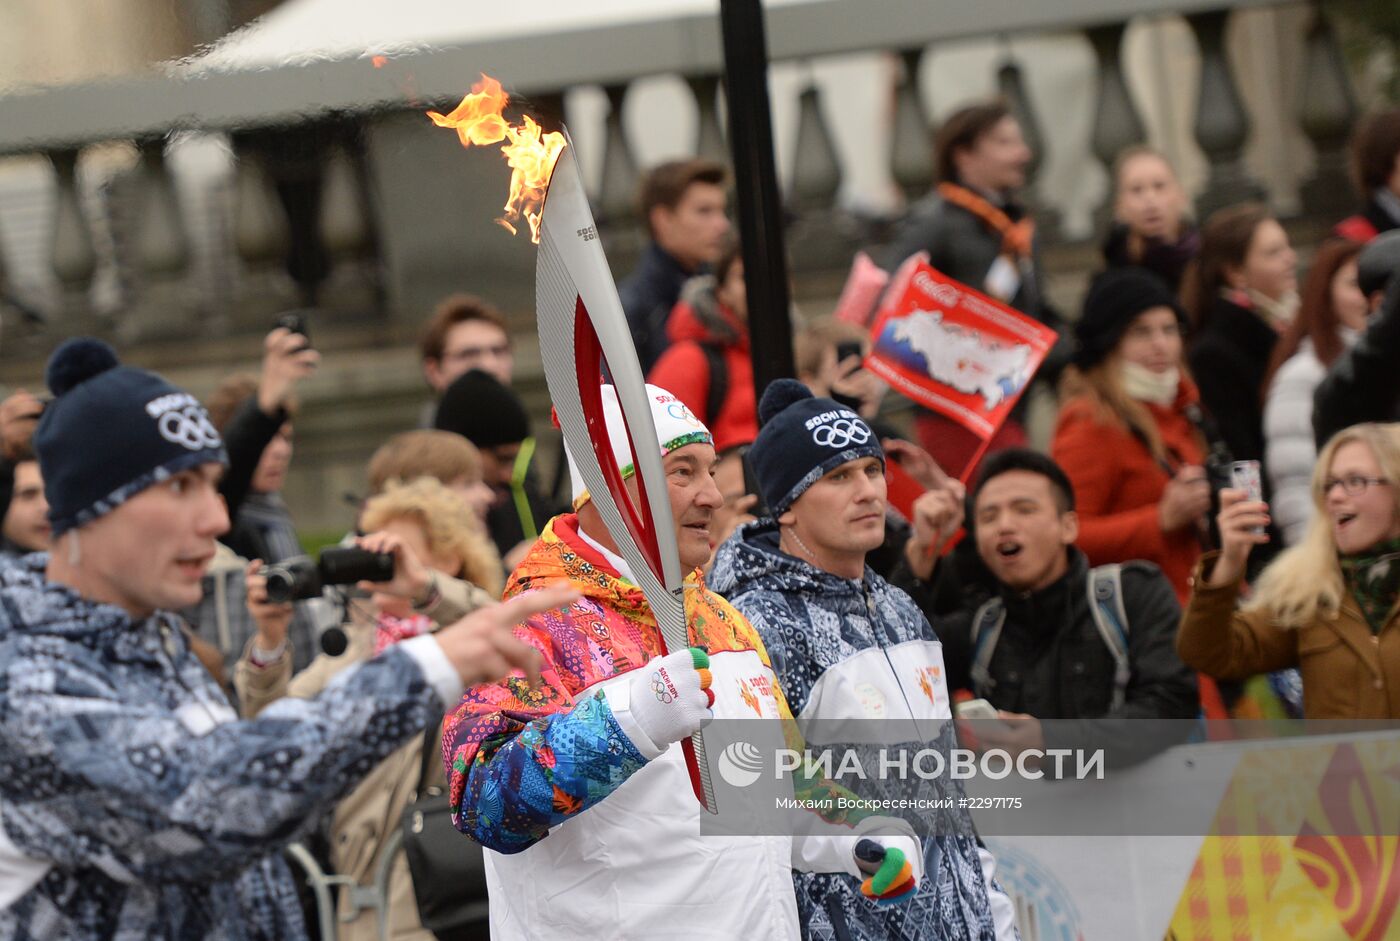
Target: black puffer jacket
column 1051, row 662
column 1229, row 358
column 1363, row 384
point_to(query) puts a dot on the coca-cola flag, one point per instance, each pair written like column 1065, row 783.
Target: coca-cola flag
column 955, row 350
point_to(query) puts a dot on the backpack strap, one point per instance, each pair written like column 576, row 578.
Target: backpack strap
column 1205, row 425
column 1105, row 588
column 719, row 382
column 986, row 631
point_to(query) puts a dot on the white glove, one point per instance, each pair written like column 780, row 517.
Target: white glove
column 830, row 853
column 889, row 832
column 892, row 867
column 665, row 701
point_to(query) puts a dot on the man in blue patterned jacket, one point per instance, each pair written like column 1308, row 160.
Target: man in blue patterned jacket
column 849, row 647
column 132, row 805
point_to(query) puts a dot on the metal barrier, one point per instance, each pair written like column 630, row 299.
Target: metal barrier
column 362, row 897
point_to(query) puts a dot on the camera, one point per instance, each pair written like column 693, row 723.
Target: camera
column 299, row 578
column 296, row 321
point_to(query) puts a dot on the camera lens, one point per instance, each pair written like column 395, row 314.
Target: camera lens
column 350, row 564
column 280, row 584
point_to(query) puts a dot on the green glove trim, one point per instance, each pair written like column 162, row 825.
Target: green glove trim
column 890, row 870
column 700, row 658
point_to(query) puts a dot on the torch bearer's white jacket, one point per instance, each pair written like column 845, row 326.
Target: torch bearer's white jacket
column 590, row 836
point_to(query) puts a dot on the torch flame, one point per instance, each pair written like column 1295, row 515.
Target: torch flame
column 531, row 154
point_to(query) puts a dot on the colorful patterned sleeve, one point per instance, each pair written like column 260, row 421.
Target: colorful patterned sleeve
column 523, row 759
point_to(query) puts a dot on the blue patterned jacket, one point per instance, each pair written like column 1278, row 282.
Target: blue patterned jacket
column 132, row 806
column 861, row 651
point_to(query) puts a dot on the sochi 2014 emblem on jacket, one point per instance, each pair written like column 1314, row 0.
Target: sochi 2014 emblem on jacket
column 929, row 678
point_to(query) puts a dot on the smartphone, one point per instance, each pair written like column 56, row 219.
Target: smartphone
column 845, row 351
column 975, row 709
column 295, row 321
column 1248, row 476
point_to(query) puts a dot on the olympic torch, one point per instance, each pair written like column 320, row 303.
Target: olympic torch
column 582, row 327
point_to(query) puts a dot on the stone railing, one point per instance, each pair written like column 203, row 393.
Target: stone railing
column 181, row 208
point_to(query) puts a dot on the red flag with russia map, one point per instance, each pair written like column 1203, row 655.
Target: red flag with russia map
column 953, row 349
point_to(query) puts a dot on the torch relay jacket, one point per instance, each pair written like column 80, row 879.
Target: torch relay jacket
column 861, row 649
column 587, row 835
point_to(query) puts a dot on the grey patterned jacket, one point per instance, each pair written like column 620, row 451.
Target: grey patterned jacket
column 862, row 652
column 132, row 805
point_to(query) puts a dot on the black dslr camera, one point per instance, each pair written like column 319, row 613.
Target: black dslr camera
column 299, row 578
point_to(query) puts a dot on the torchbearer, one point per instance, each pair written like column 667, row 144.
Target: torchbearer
column 591, row 815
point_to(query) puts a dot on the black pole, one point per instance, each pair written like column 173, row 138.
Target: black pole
column 760, row 206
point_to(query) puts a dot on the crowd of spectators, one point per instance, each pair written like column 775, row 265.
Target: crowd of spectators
column 1121, row 576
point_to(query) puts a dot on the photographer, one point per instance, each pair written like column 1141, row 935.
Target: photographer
column 254, row 415
column 828, row 356
column 133, row 802
column 1326, row 605
column 435, row 543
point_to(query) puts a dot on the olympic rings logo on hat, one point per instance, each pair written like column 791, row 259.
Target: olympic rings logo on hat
column 841, row 433
column 190, row 428
column 678, row 411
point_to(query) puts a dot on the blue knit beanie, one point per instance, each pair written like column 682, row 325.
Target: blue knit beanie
column 111, row 431
column 801, row 440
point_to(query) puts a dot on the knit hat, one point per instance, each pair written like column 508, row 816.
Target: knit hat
column 1377, row 262
column 676, row 427
column 1115, row 299
column 480, row 409
column 802, row 438
column 112, row 431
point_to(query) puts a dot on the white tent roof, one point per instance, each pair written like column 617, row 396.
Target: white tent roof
column 302, row 31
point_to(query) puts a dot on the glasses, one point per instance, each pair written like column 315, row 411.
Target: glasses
column 1354, row 485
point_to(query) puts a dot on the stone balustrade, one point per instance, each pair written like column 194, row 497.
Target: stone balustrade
column 321, row 183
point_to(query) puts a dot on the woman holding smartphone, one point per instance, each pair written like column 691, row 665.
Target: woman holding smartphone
column 1327, row 605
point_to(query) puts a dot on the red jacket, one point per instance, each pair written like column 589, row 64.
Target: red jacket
column 684, row 371
column 1118, row 484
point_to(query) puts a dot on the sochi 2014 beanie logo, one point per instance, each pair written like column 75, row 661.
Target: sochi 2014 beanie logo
column 838, row 429
column 182, row 420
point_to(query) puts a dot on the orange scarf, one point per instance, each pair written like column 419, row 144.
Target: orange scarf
column 1016, row 237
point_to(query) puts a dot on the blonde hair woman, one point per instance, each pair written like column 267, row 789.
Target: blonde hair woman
column 1325, row 606
column 450, row 529
column 438, row 541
